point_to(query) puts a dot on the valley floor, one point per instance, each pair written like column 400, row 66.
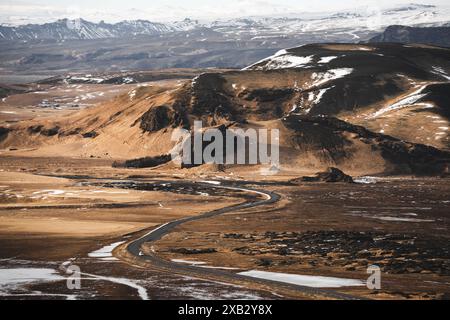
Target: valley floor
column 56, row 212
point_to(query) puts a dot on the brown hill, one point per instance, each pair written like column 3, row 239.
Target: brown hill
column 390, row 89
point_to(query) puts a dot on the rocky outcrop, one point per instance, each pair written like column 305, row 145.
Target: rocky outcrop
column 438, row 36
column 210, row 100
column 330, row 175
column 266, row 94
column 7, row 90
column 193, row 251
column 147, row 162
column 160, row 117
column 4, row 133
column 48, row 132
column 332, row 135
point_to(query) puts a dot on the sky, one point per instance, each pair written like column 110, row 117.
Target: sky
column 26, row 11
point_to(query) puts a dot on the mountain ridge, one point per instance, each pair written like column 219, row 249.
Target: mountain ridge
column 357, row 24
column 78, row 29
column 437, row 36
column 378, row 108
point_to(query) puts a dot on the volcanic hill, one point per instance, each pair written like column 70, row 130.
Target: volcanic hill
column 365, row 108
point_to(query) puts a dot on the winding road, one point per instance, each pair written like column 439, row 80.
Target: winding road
column 135, row 256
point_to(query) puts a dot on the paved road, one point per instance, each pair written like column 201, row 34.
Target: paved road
column 153, row 260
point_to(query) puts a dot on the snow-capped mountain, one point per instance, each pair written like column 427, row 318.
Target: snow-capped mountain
column 438, row 36
column 352, row 22
column 353, row 25
column 66, row 29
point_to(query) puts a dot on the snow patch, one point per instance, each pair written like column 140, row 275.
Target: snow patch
column 13, row 279
column 27, row 275
column 320, row 95
column 333, row 74
column 201, row 264
column 128, row 80
column 106, row 251
column 281, row 60
column 287, row 61
column 190, row 262
column 327, row 59
column 211, row 182
column 132, row 94
column 87, row 78
column 399, row 219
column 50, row 192
column 424, row 105
column 406, row 101
column 303, row 280
column 364, row 49
column 440, row 72
column 365, row 180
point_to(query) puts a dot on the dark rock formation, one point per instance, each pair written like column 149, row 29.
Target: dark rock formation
column 265, row 95
column 438, row 36
column 91, row 134
column 35, row 129
column 193, row 251
column 265, row 262
column 147, row 162
column 406, row 157
column 49, row 132
column 334, row 175
column 210, row 99
column 7, row 90
column 330, row 175
column 4, row 133
column 160, row 117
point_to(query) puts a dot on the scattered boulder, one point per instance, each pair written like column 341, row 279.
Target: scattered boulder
column 330, row 175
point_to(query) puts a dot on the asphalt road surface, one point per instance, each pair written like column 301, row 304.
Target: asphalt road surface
column 152, row 260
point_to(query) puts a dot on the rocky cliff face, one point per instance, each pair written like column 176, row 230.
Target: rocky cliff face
column 437, row 36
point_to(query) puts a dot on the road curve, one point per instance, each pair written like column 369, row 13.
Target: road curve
column 152, row 260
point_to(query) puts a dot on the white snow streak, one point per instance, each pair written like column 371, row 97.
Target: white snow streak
column 302, row 280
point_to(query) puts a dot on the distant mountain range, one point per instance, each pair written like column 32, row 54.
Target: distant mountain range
column 351, row 24
column 43, row 50
column 438, row 36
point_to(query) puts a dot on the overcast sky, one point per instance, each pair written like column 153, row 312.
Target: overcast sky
column 168, row 10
